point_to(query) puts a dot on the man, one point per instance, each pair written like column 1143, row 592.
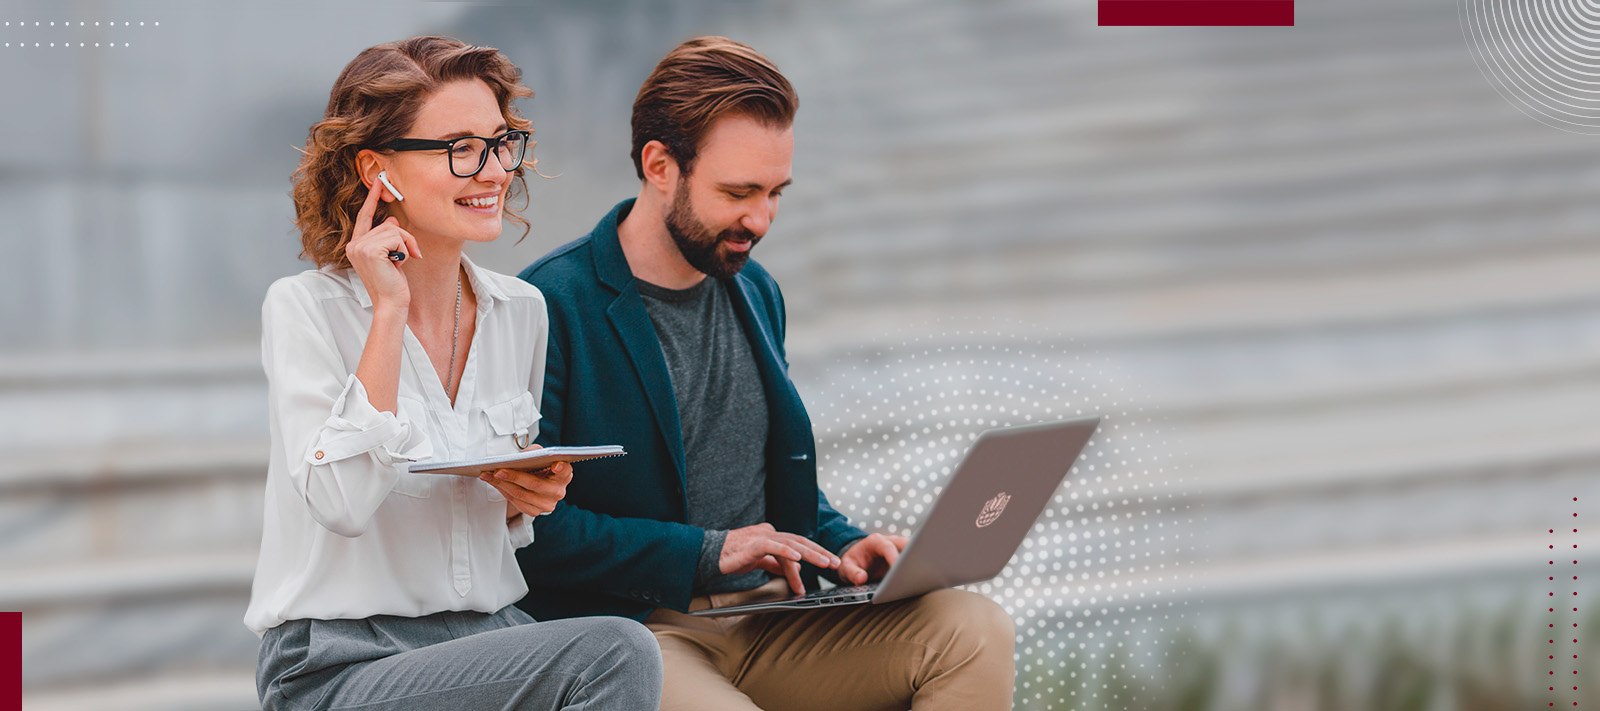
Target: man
column 666, row 339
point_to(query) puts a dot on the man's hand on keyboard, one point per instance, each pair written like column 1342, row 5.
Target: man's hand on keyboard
column 870, row 558
column 762, row 546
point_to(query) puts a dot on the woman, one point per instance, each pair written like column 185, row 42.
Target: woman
column 376, row 587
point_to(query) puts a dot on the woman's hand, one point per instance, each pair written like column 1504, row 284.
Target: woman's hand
column 531, row 492
column 368, row 252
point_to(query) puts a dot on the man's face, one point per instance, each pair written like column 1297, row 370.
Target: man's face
column 719, row 211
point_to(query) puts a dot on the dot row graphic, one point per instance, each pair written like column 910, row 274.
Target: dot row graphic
column 80, row 24
column 1540, row 55
column 1097, row 583
column 1551, row 627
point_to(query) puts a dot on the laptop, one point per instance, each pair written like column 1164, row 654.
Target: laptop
column 992, row 501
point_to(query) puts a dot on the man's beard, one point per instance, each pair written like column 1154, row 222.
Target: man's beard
column 701, row 248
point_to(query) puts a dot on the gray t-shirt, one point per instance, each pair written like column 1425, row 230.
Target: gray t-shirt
column 722, row 410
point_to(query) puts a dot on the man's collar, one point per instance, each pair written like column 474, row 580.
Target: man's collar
column 610, row 264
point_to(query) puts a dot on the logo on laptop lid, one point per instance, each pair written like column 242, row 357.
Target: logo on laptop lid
column 992, row 509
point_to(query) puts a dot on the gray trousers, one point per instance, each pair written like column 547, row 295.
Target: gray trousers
column 459, row 660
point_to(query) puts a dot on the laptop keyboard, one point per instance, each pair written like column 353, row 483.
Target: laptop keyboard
column 836, row 592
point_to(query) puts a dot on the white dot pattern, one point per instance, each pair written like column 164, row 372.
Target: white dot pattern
column 45, row 25
column 1100, row 576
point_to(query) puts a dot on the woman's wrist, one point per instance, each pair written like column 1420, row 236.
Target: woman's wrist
column 392, row 314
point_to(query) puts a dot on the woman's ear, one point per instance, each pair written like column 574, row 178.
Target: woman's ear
column 368, row 164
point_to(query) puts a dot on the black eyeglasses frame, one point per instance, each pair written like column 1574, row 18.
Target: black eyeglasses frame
column 489, row 142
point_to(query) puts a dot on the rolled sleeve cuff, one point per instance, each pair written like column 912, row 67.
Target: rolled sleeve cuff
column 356, row 427
column 521, row 529
column 709, row 565
column 848, row 544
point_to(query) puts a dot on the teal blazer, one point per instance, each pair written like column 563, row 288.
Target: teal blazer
column 618, row 543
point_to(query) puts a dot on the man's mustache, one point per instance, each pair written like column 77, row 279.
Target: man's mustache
column 738, row 234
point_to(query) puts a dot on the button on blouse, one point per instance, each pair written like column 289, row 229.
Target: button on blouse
column 349, row 532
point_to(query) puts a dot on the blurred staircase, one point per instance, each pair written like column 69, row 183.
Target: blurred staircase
column 1357, row 284
column 130, row 502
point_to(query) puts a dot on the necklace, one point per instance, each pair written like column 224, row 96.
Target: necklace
column 455, row 333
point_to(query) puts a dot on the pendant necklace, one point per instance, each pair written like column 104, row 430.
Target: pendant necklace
column 455, row 333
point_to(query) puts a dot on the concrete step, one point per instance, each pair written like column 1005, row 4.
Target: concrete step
column 1037, row 79
column 1500, row 495
column 173, row 498
column 1450, row 430
column 1072, row 53
column 1431, row 431
column 232, row 690
column 1001, row 31
column 121, row 367
column 1348, row 187
column 130, row 577
column 58, row 409
column 134, row 618
column 1554, row 282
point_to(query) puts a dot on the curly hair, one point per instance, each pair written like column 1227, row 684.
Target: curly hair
column 376, row 100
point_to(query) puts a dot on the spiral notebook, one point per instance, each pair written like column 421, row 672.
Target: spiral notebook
column 525, row 461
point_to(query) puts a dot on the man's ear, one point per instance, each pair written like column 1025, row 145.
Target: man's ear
column 660, row 169
column 368, row 164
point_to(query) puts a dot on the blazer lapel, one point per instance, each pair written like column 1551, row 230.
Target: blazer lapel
column 758, row 331
column 639, row 338
column 791, row 498
column 638, row 335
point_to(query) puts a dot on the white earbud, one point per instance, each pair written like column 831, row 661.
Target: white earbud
column 383, row 177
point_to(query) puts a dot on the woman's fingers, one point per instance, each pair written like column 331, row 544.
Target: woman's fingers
column 558, row 469
column 551, row 484
column 369, row 207
column 561, row 473
column 411, row 242
column 529, row 502
column 532, row 490
column 384, row 238
column 373, row 241
column 506, row 490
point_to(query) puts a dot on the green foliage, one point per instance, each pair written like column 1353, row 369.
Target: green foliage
column 1450, row 656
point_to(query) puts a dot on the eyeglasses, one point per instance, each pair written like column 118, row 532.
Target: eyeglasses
column 468, row 154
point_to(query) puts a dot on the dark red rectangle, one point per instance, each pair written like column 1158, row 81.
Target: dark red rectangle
column 1197, row 13
column 10, row 661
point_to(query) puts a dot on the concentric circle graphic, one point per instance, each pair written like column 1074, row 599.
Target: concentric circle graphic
column 1543, row 56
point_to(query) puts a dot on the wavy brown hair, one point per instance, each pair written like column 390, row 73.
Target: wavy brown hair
column 376, row 100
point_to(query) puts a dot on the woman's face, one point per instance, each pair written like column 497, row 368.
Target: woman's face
column 439, row 205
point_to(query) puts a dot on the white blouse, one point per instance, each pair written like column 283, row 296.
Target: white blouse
column 349, row 532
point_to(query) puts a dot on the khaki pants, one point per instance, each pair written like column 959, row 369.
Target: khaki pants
column 949, row 649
